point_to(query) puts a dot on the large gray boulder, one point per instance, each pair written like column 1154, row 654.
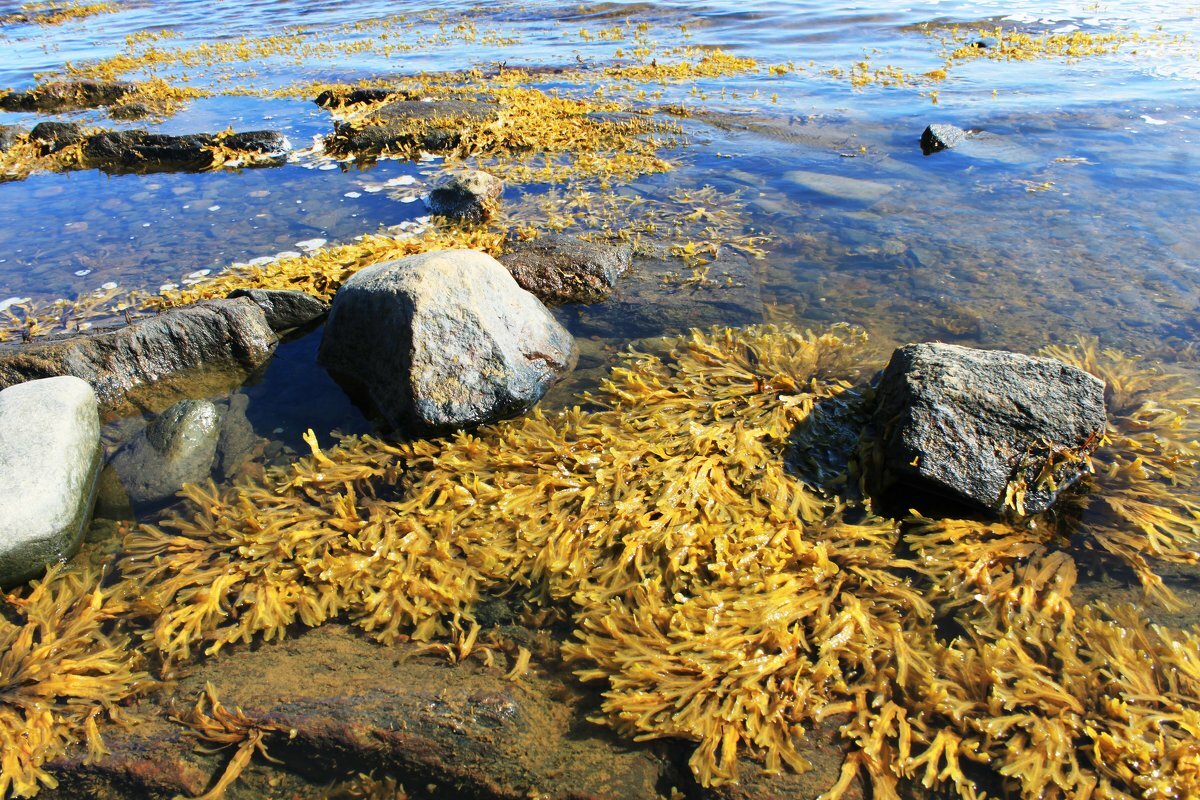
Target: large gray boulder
column 177, row 447
column 559, row 268
column 49, row 460
column 444, row 340
column 204, row 348
column 973, row 424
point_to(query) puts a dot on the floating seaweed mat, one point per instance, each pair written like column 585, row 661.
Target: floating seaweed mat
column 717, row 597
column 65, row 665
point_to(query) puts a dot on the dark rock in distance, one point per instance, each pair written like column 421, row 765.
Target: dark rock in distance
column 142, row 151
column 332, row 98
column 67, row 95
column 967, row 423
column 564, row 269
column 200, row 349
column 939, row 137
column 443, row 341
column 433, row 126
column 470, row 196
column 10, row 135
column 285, row 309
column 51, row 137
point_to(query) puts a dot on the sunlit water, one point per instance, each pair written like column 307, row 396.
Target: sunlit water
column 1077, row 219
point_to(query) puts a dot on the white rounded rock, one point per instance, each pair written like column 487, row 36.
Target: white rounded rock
column 49, row 461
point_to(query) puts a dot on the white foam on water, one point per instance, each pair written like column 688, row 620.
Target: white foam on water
column 1149, row 120
column 79, row 273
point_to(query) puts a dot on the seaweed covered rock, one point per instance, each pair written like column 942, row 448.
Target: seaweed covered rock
column 10, row 135
column 564, row 269
column 194, row 350
column 444, row 340
column 49, row 460
column 434, row 125
column 177, row 447
column 993, row 429
column 470, row 196
column 142, row 151
column 939, row 136
column 67, row 95
column 51, row 137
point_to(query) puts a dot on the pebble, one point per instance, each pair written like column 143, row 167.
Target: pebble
column 311, row 244
column 288, row 254
column 108, row 286
column 353, row 195
column 261, row 261
column 79, row 273
column 200, row 273
column 214, row 208
column 12, row 301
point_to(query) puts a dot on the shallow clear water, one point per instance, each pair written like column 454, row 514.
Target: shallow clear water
column 1076, row 218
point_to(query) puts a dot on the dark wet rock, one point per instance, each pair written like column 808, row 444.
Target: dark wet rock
column 142, row 151
column 655, row 299
column 10, row 135
column 986, row 43
column 433, row 126
column 333, row 98
column 200, row 349
column 939, row 137
column 564, row 269
column 444, row 340
column 49, row 460
column 67, row 95
column 472, row 196
column 285, row 309
column 967, row 423
column 52, row 137
column 335, row 704
column 177, row 447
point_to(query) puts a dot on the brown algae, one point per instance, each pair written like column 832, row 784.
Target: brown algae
column 716, row 596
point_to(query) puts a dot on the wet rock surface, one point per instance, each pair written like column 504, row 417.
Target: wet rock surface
column 433, row 126
column 332, row 98
column 444, row 340
column 10, row 135
column 967, row 423
column 937, row 137
column 202, row 349
column 49, row 460
column 67, row 95
column 142, row 151
column 52, row 137
column 285, row 310
column 564, row 269
column 177, row 447
column 472, row 196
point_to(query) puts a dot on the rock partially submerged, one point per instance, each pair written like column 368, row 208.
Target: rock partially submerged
column 11, row 135
column 285, row 309
column 67, row 96
column 177, row 447
column 49, row 460
column 142, row 151
column 444, row 340
column 472, row 196
column 335, row 98
column 53, row 137
column 1000, row 431
column 564, row 269
column 200, row 349
column 939, row 137
column 433, row 126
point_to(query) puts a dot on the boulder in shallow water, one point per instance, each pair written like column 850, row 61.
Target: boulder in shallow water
column 444, row 340
column 67, row 95
column 49, row 460
column 177, row 447
column 563, row 269
column 986, row 428
column 285, row 309
column 199, row 349
column 938, row 137
column 142, row 151
column 51, row 137
column 470, row 196
column 435, row 126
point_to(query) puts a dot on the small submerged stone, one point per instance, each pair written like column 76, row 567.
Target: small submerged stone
column 564, row 269
column 470, row 196
column 49, row 460
column 996, row 430
column 444, row 340
column 177, row 447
